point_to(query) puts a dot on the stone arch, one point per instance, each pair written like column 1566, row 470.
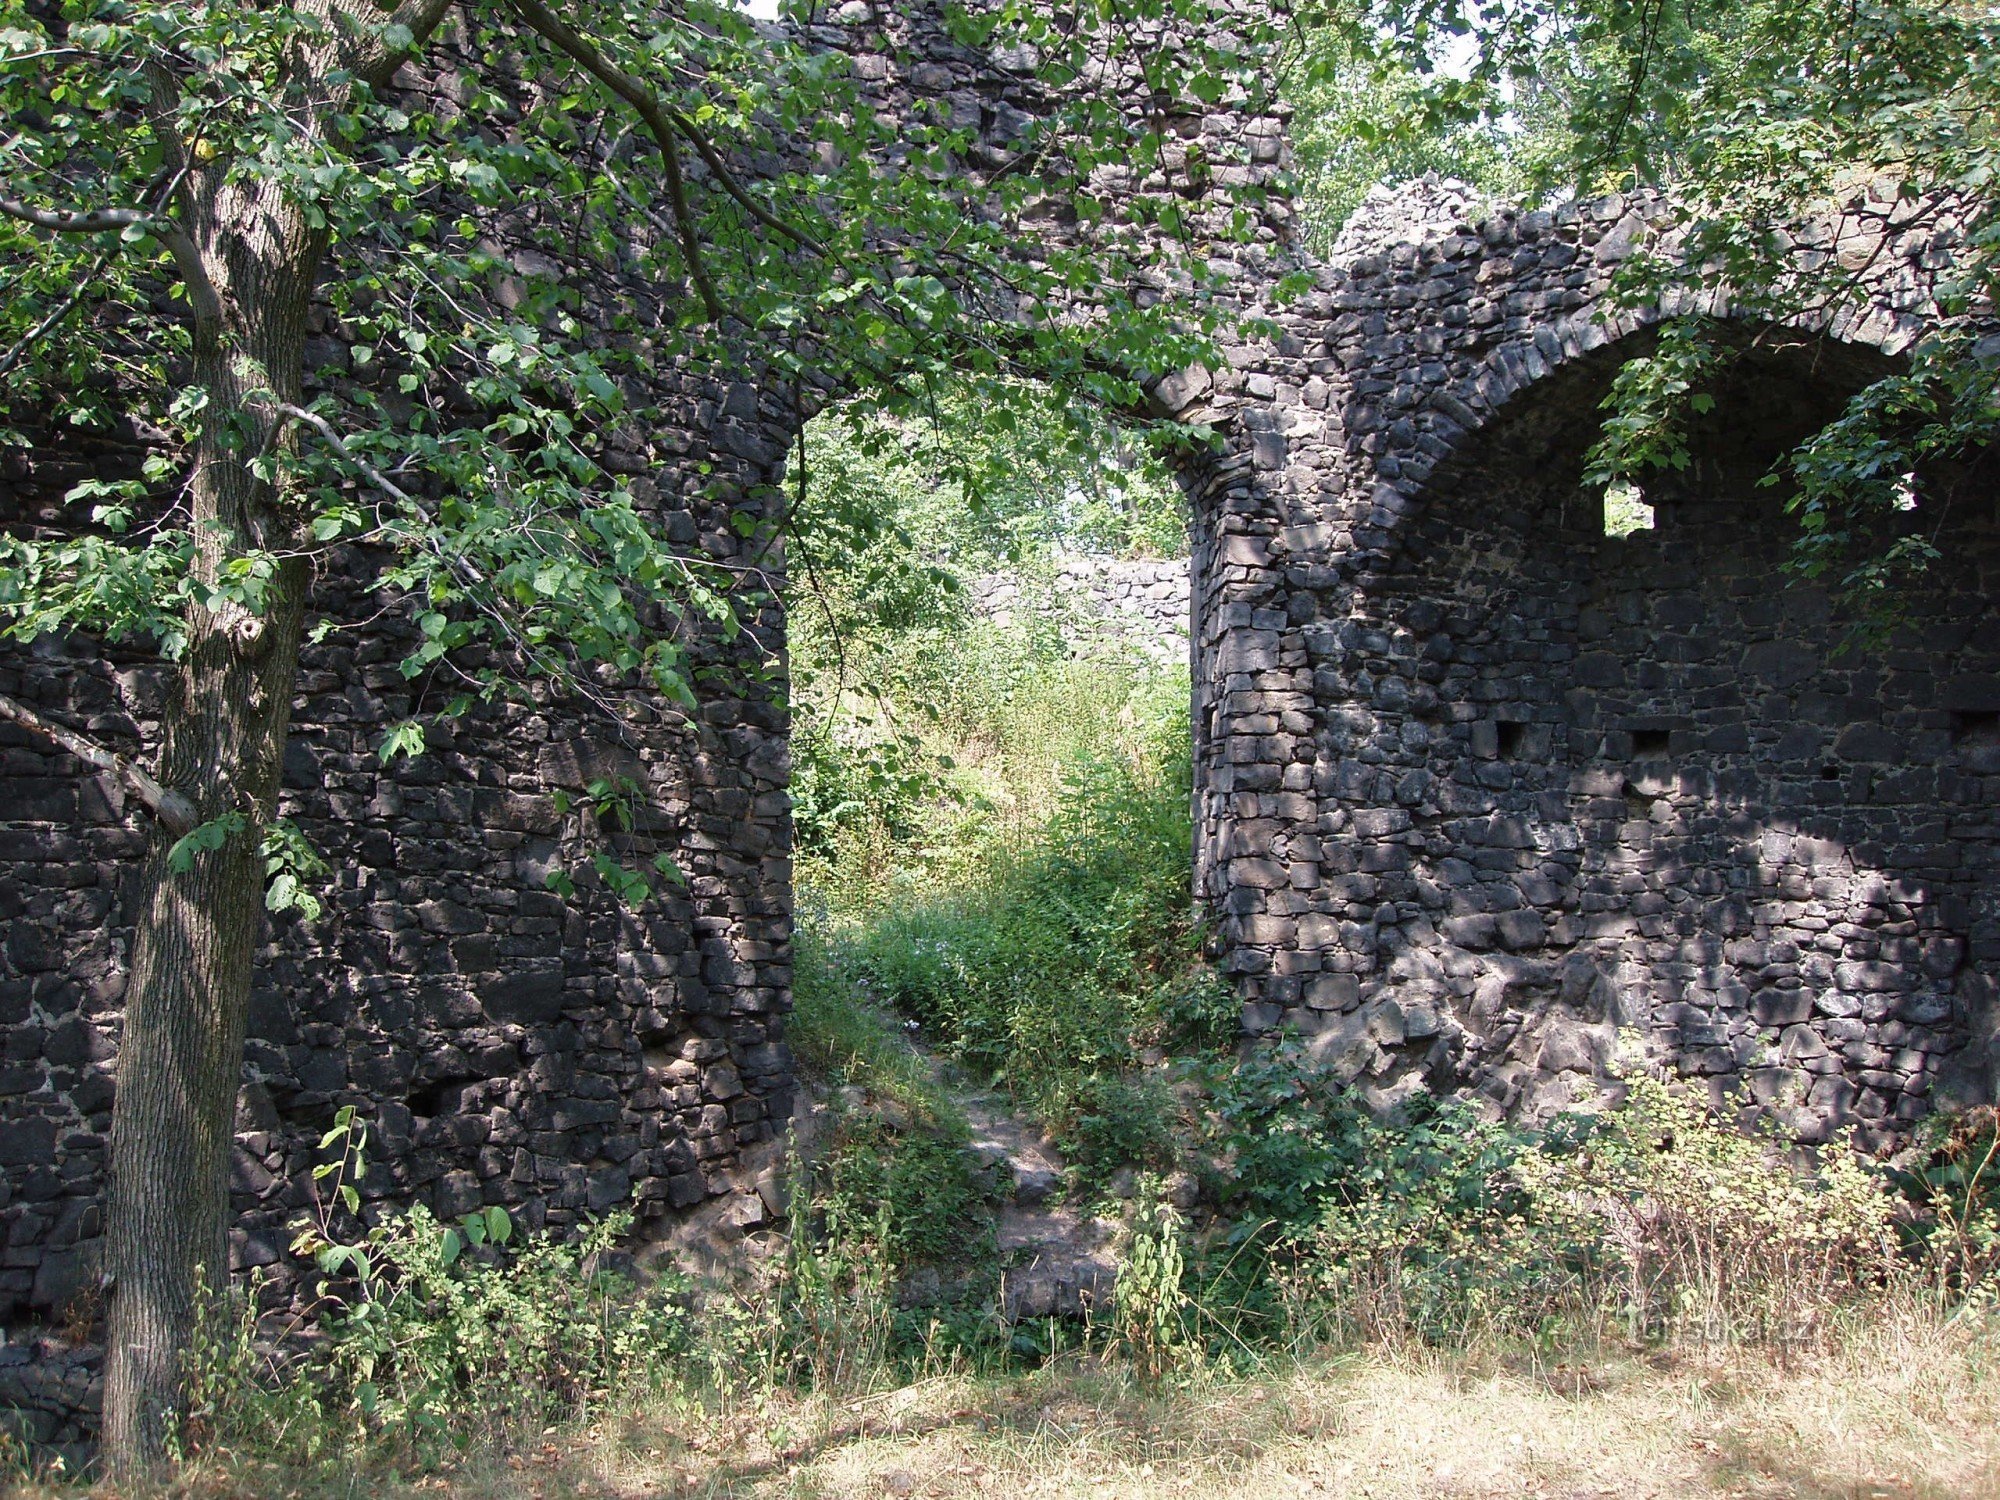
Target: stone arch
column 1575, row 357
column 1528, row 789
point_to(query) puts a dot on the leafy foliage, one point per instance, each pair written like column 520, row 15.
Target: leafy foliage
column 1651, row 395
column 1657, row 1216
column 1361, row 121
column 509, row 530
column 1874, row 119
column 430, row 1335
column 896, row 519
column 1149, row 1323
column 1952, row 1185
column 911, row 1186
column 1711, row 1230
column 510, row 260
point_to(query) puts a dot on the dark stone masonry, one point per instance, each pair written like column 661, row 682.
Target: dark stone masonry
column 1489, row 799
column 1485, row 798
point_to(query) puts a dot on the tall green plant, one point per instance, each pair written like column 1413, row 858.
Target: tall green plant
column 1049, row 963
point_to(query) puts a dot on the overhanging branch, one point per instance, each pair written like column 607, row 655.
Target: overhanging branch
column 546, row 24
column 338, row 444
column 174, row 811
column 75, row 220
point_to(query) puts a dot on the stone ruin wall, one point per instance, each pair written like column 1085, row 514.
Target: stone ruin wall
column 1478, row 790
column 1485, row 796
column 1100, row 603
column 504, row 1046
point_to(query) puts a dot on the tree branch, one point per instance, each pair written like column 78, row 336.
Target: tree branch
column 75, row 221
column 706, row 150
column 174, row 811
column 659, row 123
column 420, row 18
column 338, row 444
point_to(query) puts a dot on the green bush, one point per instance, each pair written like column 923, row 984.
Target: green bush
column 439, row 1335
column 1658, row 1217
column 888, row 670
column 431, row 1336
column 1347, row 1223
column 841, row 1037
column 1108, row 1120
column 1073, row 947
column 1709, row 1232
column 1195, row 1013
column 994, row 836
column 913, row 1188
column 1950, row 1185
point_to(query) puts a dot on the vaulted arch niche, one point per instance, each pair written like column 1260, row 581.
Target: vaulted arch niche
column 1651, row 800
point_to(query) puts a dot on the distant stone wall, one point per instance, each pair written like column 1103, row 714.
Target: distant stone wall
column 1100, row 603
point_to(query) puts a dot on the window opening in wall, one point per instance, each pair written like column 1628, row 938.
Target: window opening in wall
column 1625, row 509
column 1976, row 727
column 1975, row 735
column 428, row 1101
column 1650, row 744
column 1829, row 772
column 1511, row 735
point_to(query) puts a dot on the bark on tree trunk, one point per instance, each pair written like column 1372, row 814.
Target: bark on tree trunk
column 181, row 1056
column 252, row 263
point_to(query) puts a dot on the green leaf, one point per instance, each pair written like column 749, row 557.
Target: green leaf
column 405, row 739
column 205, row 838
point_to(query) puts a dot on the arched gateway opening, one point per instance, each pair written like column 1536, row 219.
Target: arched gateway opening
column 1613, row 792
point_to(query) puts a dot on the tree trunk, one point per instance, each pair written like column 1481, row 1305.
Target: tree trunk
column 251, row 264
column 248, row 254
column 181, row 1057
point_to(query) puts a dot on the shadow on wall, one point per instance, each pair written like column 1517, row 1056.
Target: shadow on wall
column 503, row 1044
column 1577, row 784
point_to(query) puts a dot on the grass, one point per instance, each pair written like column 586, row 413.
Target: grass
column 1904, row 1406
column 1041, row 930
column 843, row 1039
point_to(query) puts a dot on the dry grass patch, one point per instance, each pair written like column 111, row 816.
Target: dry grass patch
column 1900, row 1409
